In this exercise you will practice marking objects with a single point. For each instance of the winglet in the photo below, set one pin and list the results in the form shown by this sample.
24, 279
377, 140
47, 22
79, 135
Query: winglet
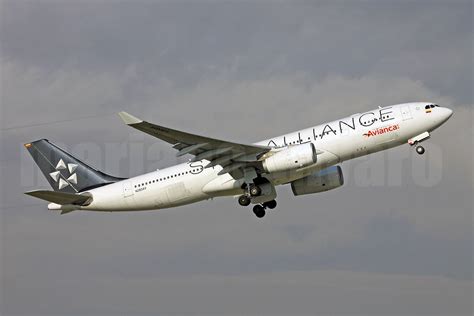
129, 119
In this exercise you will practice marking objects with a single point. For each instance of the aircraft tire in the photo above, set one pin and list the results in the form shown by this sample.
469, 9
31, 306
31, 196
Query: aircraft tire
244, 200
420, 150
255, 190
270, 204
259, 211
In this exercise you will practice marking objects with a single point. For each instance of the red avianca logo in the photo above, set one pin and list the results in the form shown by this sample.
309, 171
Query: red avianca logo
382, 130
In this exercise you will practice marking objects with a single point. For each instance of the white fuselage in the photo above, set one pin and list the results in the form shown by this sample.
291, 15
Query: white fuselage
337, 141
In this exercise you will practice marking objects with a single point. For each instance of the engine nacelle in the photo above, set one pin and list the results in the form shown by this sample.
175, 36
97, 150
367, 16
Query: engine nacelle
291, 158
324, 180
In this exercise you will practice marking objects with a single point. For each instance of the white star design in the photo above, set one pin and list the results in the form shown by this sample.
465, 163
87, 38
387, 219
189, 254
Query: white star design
56, 175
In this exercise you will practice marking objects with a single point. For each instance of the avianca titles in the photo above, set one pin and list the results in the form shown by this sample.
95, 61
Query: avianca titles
308, 160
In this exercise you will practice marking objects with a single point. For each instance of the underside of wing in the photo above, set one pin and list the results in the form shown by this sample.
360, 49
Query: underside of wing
230, 155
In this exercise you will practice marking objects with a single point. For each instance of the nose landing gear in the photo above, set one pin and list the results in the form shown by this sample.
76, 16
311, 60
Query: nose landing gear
415, 142
420, 150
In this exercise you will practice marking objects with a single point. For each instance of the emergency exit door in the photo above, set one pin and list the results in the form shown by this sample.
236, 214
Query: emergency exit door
406, 113
127, 189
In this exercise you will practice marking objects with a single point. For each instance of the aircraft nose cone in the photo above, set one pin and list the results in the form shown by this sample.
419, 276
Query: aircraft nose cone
448, 113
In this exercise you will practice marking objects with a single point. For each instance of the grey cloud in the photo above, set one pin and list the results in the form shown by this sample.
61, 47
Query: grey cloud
296, 292
191, 41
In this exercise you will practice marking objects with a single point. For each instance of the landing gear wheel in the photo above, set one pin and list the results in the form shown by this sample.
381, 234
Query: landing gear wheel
259, 211
420, 150
270, 204
244, 200
255, 190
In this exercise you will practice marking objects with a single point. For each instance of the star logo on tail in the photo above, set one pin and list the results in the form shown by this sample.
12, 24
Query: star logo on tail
58, 177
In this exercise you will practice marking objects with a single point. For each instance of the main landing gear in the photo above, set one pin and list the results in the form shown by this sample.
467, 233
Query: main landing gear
270, 204
244, 200
259, 210
253, 191
260, 192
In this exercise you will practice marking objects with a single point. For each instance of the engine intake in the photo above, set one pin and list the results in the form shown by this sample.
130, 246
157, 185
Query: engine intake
321, 181
291, 158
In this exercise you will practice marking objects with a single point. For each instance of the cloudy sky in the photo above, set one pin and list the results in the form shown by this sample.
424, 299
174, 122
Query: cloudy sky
397, 239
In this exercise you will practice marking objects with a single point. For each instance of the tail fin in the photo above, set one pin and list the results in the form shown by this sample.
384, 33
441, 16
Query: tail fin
64, 172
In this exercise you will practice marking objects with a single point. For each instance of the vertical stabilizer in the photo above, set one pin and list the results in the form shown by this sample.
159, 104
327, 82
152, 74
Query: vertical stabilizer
64, 172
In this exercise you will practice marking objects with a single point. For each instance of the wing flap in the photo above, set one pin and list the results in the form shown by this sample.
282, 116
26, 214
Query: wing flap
188, 149
224, 160
232, 167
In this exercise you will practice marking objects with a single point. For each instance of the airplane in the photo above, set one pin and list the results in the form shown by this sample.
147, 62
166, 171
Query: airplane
308, 160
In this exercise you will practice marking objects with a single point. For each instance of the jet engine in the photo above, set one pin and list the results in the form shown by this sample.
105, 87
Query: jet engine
324, 180
291, 158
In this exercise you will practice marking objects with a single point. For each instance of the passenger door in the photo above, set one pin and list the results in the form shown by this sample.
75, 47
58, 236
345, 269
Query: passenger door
127, 189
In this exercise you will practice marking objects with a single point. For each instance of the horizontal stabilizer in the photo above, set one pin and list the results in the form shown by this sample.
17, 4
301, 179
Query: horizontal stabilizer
61, 197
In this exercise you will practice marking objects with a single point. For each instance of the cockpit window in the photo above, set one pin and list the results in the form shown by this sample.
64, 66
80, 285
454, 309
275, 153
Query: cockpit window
427, 107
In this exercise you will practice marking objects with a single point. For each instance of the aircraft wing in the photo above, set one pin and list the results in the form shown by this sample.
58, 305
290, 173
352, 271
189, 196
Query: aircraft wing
229, 155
